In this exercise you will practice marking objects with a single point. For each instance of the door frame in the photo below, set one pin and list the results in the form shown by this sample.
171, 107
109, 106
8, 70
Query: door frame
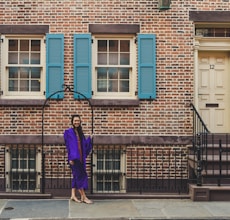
206, 44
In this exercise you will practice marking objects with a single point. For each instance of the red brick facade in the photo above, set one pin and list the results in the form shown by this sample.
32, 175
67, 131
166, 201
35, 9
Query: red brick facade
166, 120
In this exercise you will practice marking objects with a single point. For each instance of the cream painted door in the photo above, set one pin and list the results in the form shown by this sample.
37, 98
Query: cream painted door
213, 90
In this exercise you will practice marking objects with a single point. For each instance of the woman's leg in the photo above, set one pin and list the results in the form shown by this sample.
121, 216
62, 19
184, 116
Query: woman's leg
73, 195
84, 197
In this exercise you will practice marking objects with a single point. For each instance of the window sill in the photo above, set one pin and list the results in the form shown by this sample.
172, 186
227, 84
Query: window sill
22, 102
114, 102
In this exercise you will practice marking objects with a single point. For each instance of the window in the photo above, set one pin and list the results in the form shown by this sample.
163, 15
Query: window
109, 172
213, 32
23, 168
114, 71
105, 66
23, 68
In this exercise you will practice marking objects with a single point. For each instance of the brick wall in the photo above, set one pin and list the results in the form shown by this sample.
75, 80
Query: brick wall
168, 115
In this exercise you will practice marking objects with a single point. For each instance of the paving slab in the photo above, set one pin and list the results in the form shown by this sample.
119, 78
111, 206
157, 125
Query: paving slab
218, 209
26, 209
103, 209
113, 209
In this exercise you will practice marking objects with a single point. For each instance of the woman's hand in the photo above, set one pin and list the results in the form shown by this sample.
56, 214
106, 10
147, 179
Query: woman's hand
71, 162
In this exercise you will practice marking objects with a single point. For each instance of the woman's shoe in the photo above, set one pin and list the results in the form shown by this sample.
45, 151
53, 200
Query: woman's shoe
87, 201
75, 199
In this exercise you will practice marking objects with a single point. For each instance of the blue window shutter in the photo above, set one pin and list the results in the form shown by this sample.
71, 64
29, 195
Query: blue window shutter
54, 65
146, 66
82, 65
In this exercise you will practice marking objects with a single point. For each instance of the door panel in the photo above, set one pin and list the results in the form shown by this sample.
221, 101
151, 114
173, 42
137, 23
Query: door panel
213, 91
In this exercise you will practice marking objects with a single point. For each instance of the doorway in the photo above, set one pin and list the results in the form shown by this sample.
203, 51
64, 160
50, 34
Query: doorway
213, 90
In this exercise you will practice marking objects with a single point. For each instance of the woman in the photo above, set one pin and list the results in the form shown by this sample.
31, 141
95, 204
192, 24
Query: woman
78, 148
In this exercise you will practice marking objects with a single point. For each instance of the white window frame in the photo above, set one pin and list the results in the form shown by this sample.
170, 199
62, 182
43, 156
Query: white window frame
10, 170
5, 68
121, 172
132, 74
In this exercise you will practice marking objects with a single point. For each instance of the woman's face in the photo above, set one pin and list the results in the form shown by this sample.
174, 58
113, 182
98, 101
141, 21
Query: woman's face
76, 122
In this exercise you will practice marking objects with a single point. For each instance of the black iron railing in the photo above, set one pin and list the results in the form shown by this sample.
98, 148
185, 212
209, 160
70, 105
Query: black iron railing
199, 128
199, 143
116, 169
210, 154
218, 162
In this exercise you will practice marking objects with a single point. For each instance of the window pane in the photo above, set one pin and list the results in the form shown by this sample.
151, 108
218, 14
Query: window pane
13, 72
100, 177
108, 186
24, 73
102, 45
14, 153
24, 85
100, 154
108, 165
23, 185
116, 154
13, 58
13, 45
15, 175
113, 82
24, 58
102, 58
220, 32
23, 164
99, 186
102, 85
35, 58
14, 164
124, 73
124, 45
113, 73
35, 45
102, 80
36, 75
32, 164
113, 85
15, 185
113, 59
32, 176
113, 46
100, 165
108, 155
116, 165
35, 85
102, 73
108, 177
13, 79
13, 85
116, 186
32, 185
35, 79
124, 59
124, 83
24, 176
124, 86
24, 45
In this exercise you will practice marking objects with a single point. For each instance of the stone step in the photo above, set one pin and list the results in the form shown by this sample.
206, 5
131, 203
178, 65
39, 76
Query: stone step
209, 193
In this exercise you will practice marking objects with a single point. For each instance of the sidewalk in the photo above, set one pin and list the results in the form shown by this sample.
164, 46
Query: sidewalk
136, 209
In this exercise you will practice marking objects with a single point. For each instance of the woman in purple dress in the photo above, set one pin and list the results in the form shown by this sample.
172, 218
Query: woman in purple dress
78, 148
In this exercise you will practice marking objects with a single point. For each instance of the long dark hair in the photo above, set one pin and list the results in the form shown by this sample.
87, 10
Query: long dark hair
79, 128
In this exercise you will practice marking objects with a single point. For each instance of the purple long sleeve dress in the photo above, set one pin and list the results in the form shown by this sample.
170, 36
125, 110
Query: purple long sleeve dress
80, 178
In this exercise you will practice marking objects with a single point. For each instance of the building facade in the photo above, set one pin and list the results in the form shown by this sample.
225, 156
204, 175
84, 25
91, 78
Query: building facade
130, 68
